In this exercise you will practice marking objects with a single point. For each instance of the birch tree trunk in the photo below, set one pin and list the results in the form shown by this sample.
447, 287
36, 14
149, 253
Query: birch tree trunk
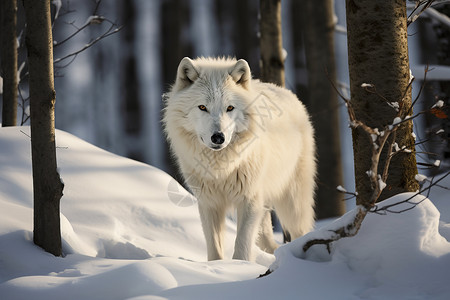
272, 62
378, 55
9, 61
318, 20
47, 184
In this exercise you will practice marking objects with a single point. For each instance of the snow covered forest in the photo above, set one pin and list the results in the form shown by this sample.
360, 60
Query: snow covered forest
120, 225
110, 94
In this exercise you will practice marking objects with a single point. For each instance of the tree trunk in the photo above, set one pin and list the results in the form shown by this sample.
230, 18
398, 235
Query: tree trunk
47, 184
318, 18
237, 25
9, 61
272, 61
130, 97
299, 57
378, 55
175, 17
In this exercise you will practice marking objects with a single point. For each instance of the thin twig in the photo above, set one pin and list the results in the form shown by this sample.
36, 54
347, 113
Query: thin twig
428, 188
90, 44
424, 4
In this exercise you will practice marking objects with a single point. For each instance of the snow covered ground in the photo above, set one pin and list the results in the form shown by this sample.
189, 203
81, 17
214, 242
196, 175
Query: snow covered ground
131, 232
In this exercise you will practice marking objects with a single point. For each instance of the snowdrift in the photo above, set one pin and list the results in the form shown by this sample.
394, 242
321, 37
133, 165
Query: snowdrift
131, 232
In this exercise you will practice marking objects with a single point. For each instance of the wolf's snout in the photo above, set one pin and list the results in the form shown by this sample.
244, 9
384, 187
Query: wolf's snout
218, 138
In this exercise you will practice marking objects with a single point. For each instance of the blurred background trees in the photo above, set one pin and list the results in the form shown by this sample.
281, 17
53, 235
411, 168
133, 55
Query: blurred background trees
110, 95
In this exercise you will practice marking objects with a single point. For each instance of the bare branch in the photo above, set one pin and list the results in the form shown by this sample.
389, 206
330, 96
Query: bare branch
112, 30
420, 7
387, 208
25, 114
438, 16
91, 20
347, 230
94, 19
97, 5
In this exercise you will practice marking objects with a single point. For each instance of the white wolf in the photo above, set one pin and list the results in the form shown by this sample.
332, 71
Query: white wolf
245, 144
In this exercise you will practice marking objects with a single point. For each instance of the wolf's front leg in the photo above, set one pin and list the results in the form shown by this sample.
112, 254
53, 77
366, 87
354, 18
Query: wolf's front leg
249, 215
213, 222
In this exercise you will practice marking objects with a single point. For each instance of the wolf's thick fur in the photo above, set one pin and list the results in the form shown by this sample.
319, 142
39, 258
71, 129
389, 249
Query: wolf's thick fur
245, 144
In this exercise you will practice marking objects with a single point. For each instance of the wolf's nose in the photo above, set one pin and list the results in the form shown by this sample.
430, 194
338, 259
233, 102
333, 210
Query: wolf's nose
218, 138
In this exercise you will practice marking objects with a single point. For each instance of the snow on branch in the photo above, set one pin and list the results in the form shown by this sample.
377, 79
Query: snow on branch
342, 190
346, 226
418, 9
424, 6
390, 208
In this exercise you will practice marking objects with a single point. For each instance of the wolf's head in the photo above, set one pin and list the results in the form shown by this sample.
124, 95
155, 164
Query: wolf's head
213, 93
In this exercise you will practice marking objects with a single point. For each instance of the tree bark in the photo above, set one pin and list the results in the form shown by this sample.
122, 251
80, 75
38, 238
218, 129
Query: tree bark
318, 18
9, 61
47, 184
378, 55
272, 61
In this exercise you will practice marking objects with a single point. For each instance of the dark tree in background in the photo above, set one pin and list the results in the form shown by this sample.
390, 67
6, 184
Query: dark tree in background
322, 103
271, 44
237, 25
47, 184
130, 96
378, 55
300, 84
175, 46
9, 61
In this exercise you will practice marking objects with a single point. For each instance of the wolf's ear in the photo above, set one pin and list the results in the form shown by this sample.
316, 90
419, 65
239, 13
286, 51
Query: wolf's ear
186, 74
240, 73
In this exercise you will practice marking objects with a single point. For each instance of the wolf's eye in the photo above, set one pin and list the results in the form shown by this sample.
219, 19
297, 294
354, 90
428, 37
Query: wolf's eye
202, 108
230, 108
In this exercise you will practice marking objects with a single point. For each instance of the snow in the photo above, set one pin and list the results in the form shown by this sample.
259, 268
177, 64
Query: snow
93, 20
57, 4
366, 85
439, 104
420, 177
381, 183
125, 237
341, 189
397, 120
394, 105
